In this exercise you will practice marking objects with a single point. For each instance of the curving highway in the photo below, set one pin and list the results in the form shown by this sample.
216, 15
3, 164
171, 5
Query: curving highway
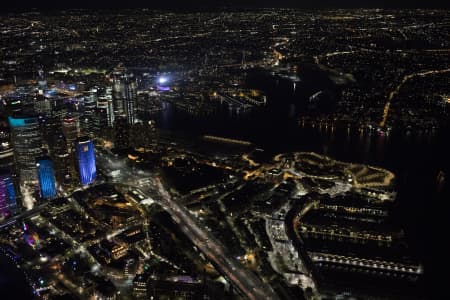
247, 282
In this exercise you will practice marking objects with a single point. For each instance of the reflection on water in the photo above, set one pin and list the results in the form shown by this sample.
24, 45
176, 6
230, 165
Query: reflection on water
415, 157
13, 284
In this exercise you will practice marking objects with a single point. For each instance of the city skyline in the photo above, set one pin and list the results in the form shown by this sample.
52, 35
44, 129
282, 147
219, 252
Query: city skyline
193, 5
238, 153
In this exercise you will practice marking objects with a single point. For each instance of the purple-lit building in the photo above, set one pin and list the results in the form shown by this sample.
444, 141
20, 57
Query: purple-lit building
8, 204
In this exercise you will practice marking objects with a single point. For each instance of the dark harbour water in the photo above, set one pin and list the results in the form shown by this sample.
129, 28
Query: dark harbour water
415, 157
13, 284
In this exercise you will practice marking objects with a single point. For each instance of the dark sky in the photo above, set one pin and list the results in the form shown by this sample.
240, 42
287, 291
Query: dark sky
9, 5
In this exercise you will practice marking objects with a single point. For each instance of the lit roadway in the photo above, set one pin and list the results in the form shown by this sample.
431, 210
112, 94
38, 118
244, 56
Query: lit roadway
400, 85
243, 279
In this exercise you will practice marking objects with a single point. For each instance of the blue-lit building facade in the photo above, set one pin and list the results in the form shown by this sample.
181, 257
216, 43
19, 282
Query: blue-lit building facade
46, 174
8, 201
86, 161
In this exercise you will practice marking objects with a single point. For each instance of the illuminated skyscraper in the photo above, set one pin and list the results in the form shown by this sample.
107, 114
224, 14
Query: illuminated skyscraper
104, 116
59, 108
61, 158
86, 160
124, 95
117, 93
121, 133
49, 126
58, 149
8, 205
87, 119
105, 106
92, 97
27, 142
101, 128
71, 130
130, 99
46, 177
43, 106
6, 148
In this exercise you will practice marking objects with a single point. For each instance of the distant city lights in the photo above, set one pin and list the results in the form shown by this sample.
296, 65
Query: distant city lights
170, 155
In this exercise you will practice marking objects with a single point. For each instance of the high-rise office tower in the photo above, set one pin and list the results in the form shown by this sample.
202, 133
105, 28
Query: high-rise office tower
117, 95
121, 133
59, 153
101, 122
6, 148
124, 95
87, 124
86, 160
107, 106
47, 184
27, 143
71, 130
59, 108
8, 182
92, 96
130, 99
49, 127
8, 204
108, 97
43, 106
87, 119
61, 159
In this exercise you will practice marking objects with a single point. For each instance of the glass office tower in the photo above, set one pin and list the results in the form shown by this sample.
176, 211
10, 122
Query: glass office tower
27, 142
46, 176
86, 160
8, 204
